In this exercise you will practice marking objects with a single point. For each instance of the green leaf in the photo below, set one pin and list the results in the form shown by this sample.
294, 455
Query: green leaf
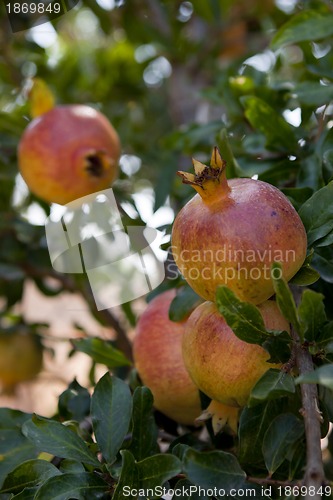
156, 470
144, 431
12, 419
273, 384
26, 494
52, 437
215, 469
129, 478
29, 474
322, 376
311, 312
284, 297
307, 25
68, 465
323, 262
74, 402
243, 318
253, 424
317, 214
313, 93
111, 407
184, 489
280, 136
305, 276
14, 447
183, 304
233, 168
326, 335
101, 351
281, 435
80, 486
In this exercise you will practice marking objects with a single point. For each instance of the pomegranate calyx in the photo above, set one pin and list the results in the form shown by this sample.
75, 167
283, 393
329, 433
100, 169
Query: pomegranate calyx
96, 162
207, 180
221, 415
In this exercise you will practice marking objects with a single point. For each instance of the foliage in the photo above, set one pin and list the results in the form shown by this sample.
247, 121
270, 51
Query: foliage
175, 79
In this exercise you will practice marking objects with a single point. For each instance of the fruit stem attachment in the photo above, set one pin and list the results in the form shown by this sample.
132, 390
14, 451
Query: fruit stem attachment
208, 180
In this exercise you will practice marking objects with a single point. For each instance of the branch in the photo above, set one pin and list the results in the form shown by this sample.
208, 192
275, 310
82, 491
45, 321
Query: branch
69, 284
314, 471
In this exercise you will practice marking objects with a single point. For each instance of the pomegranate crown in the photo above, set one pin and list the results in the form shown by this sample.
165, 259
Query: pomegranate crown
206, 179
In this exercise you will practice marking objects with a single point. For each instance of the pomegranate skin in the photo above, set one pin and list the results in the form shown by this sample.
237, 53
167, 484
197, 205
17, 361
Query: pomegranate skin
157, 351
68, 152
231, 232
219, 363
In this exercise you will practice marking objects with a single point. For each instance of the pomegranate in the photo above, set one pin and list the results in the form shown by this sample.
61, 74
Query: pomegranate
157, 350
219, 363
231, 232
21, 358
68, 152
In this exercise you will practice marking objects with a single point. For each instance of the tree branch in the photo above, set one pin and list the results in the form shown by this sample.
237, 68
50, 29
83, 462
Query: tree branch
314, 471
69, 284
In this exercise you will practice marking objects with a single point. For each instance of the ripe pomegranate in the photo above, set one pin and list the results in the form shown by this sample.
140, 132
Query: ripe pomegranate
232, 231
157, 350
219, 363
21, 358
68, 152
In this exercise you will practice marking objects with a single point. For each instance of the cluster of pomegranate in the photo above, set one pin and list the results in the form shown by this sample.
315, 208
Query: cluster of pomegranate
229, 233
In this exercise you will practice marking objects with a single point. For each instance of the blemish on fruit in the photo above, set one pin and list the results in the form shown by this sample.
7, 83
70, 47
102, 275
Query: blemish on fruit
273, 213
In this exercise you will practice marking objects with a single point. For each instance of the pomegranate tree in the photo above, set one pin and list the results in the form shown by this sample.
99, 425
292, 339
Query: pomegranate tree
157, 350
231, 232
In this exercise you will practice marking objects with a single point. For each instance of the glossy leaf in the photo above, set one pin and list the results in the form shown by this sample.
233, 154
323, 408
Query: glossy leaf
322, 375
184, 489
129, 478
215, 469
243, 318
111, 407
279, 134
281, 435
183, 304
101, 351
313, 93
307, 25
311, 312
76, 485
14, 447
317, 214
284, 297
305, 276
29, 474
74, 402
55, 438
156, 470
273, 384
144, 430
252, 427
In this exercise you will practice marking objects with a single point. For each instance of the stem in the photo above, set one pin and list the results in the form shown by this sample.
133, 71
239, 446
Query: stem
314, 471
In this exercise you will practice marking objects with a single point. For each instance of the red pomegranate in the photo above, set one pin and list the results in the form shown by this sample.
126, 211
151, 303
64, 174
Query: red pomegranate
157, 350
232, 231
